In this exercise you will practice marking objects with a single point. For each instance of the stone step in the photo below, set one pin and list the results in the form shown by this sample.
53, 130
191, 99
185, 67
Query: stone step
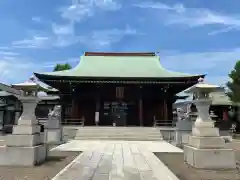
111, 134
120, 138
117, 128
106, 130
2, 143
118, 133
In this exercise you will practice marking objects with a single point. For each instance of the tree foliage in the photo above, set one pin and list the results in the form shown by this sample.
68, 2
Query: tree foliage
234, 84
62, 67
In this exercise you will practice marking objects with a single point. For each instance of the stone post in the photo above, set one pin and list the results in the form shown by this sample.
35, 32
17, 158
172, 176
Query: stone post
206, 149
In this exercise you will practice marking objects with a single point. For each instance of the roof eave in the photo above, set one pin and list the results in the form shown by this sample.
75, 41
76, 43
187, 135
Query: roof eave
42, 76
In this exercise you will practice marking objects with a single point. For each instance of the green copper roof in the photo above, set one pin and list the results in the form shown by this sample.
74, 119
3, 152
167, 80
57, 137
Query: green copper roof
118, 66
220, 98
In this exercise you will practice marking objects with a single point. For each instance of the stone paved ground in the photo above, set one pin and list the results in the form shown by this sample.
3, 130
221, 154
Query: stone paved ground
117, 161
56, 162
175, 163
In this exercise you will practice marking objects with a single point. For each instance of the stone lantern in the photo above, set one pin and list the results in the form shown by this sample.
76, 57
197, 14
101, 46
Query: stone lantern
206, 149
25, 146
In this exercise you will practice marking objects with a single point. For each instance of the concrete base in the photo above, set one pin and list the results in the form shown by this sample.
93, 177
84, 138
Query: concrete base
183, 130
206, 142
22, 156
26, 129
53, 124
54, 136
205, 132
21, 140
209, 158
182, 137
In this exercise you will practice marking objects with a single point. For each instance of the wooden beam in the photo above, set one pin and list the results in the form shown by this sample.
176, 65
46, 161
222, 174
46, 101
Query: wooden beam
188, 84
140, 106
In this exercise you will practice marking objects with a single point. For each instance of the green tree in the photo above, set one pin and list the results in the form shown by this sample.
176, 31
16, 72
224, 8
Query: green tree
234, 83
62, 67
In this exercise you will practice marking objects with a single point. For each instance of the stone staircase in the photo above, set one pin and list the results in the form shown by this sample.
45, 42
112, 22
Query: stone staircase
119, 133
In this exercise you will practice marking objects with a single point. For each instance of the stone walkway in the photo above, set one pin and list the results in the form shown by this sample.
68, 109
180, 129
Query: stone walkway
85, 145
116, 161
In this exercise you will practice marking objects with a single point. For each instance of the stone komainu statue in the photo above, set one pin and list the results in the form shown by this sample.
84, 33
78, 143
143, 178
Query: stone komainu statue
180, 114
55, 114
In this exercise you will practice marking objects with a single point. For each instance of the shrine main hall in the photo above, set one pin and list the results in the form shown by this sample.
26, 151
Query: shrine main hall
124, 89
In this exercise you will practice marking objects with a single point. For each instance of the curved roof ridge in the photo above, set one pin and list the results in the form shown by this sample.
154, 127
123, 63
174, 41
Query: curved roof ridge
119, 54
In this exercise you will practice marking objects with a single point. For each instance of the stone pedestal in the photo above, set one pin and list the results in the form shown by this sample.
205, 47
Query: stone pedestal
183, 130
53, 132
206, 149
53, 127
25, 146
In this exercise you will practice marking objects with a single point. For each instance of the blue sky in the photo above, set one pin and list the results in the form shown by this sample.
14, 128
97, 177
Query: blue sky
192, 36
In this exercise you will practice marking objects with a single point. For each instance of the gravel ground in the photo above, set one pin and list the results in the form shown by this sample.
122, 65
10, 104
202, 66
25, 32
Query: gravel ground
175, 163
55, 163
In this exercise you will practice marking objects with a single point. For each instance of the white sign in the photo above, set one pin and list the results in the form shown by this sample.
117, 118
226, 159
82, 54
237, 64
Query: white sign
97, 117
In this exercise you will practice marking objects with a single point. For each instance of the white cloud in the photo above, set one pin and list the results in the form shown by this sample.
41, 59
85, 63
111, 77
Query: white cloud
12, 65
41, 42
105, 38
66, 29
76, 12
193, 17
216, 64
36, 19
64, 36
80, 9
8, 53
35, 42
107, 4
16, 69
10, 69
4, 48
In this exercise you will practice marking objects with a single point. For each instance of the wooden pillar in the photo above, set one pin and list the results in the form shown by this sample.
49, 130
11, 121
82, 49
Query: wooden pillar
98, 99
165, 110
170, 110
73, 108
62, 110
97, 113
165, 106
140, 106
63, 113
72, 90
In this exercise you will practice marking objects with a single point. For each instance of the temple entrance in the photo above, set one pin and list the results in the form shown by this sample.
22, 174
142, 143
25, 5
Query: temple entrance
116, 113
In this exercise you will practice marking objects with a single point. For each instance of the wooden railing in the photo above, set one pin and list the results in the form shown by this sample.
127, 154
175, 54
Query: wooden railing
42, 120
73, 121
167, 123
67, 121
